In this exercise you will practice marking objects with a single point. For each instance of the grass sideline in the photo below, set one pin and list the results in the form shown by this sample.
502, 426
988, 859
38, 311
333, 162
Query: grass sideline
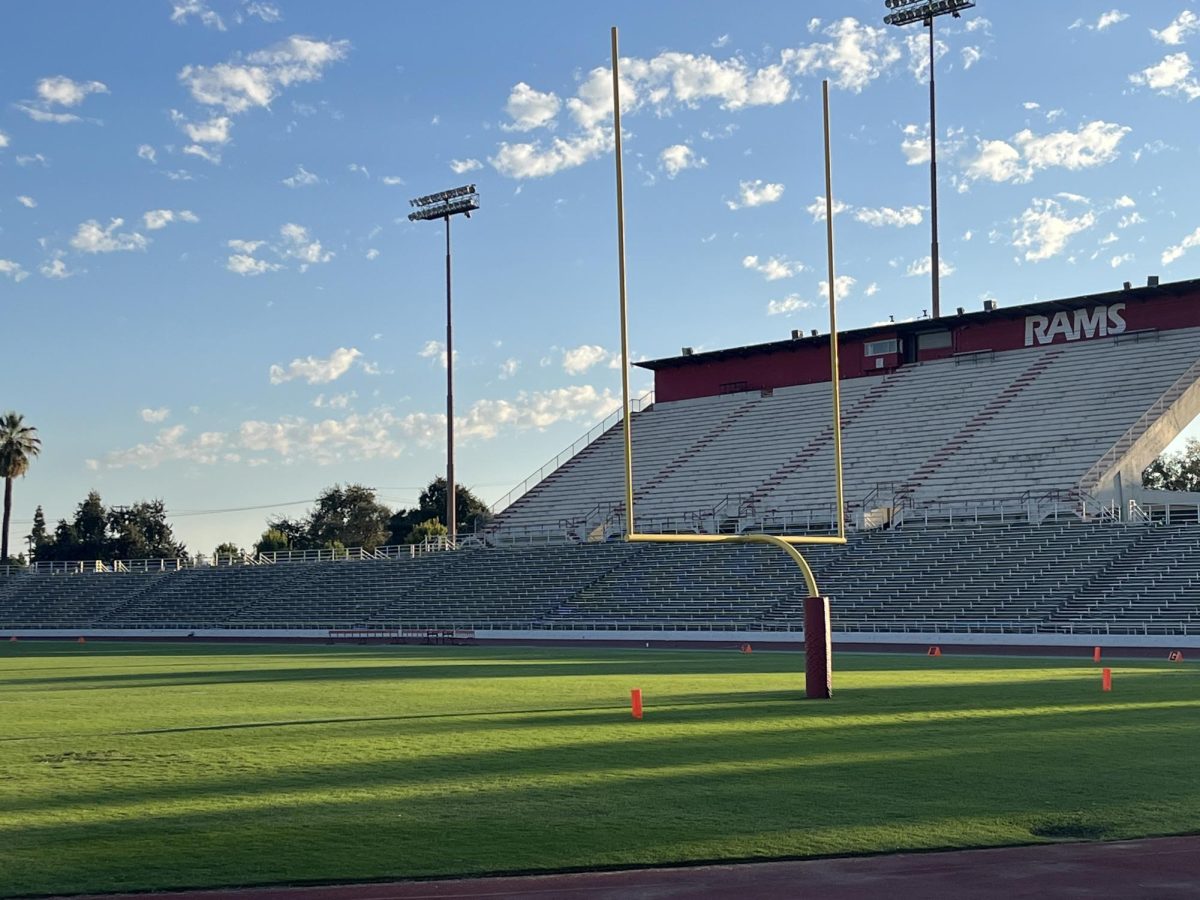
157, 766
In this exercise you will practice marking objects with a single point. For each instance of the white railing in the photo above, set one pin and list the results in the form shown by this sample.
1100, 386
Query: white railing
1138, 428
437, 544
636, 405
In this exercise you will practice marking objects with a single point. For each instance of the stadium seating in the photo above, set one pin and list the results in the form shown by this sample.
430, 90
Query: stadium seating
981, 425
1003, 578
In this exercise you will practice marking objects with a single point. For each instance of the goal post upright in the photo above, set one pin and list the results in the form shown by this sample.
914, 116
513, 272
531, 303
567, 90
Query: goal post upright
817, 646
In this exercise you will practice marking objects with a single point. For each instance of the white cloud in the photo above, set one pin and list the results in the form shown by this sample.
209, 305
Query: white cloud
237, 87
1044, 229
1171, 76
55, 268
334, 401
755, 193
392, 180
435, 350
299, 244
579, 359
214, 130
1117, 261
301, 178
462, 166
1124, 202
155, 415
1094, 144
885, 215
360, 169
677, 157
3, 140
872, 289
34, 159
1184, 24
91, 237
509, 368
856, 55
1133, 218
212, 156
245, 264
148, 153
182, 10
26, 201
372, 254
817, 209
721, 41
1174, 252
315, 370
915, 146
268, 12
532, 160
789, 304
160, 218
42, 115
774, 268
12, 270
924, 266
1029, 104
530, 109
62, 91
1106, 21
842, 287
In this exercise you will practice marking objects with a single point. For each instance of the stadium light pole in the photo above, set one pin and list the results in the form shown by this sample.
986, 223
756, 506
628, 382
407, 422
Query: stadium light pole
443, 205
925, 11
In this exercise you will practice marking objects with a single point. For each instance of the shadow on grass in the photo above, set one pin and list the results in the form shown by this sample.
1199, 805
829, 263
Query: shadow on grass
751, 729
641, 815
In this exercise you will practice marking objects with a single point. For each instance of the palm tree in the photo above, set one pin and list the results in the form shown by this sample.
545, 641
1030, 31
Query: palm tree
19, 444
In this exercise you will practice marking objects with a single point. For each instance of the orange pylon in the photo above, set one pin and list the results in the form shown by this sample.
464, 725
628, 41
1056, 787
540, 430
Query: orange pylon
934, 651
1175, 656
1106, 679
635, 698
81, 641
1095, 654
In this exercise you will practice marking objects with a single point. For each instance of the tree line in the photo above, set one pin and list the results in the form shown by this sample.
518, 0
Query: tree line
349, 516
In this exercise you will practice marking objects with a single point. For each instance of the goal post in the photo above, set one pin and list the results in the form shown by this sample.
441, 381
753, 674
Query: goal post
817, 645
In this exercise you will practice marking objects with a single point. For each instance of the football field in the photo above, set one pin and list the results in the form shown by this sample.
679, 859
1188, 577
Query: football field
141, 766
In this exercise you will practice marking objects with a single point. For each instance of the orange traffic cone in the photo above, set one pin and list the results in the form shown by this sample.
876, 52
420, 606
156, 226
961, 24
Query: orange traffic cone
1106, 680
1175, 656
81, 641
934, 651
635, 698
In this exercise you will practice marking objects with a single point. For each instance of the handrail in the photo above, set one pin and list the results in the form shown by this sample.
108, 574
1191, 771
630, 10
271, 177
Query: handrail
641, 403
1159, 406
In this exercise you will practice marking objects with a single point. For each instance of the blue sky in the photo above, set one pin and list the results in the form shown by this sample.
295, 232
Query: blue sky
211, 293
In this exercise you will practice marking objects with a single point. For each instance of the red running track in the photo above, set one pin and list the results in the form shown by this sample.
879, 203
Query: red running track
1125, 870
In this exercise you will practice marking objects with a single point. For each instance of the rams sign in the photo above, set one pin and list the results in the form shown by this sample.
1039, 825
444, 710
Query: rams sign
1074, 325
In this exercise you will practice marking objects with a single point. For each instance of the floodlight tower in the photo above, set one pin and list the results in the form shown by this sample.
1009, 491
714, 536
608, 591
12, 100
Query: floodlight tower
443, 205
925, 11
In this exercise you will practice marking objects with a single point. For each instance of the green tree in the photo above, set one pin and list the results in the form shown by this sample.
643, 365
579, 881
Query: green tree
473, 513
422, 531
19, 444
227, 549
272, 541
37, 535
350, 516
141, 531
294, 532
1175, 471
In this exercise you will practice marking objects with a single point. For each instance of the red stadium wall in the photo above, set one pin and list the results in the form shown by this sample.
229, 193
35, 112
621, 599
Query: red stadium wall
806, 360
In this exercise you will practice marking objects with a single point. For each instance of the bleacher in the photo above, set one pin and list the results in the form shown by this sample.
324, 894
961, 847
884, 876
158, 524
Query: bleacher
988, 424
1068, 577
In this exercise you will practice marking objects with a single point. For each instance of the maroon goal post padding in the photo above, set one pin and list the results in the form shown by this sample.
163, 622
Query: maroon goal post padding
818, 651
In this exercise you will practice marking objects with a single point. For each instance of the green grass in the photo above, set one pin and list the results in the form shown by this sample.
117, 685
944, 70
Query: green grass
162, 766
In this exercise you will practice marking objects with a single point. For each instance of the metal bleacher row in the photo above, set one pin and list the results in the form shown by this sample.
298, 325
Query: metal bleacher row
1001, 578
985, 424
